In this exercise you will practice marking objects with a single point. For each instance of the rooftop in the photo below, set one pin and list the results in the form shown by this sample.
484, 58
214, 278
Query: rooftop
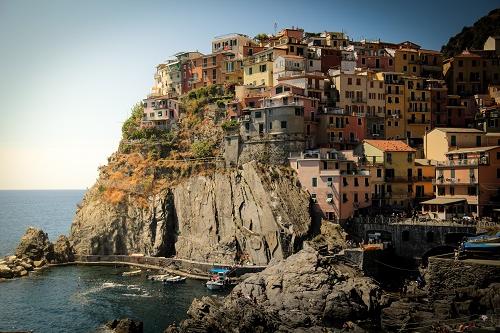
457, 130
424, 162
472, 150
390, 145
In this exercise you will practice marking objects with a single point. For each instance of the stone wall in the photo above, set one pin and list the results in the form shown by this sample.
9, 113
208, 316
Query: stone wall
272, 151
445, 274
188, 266
414, 240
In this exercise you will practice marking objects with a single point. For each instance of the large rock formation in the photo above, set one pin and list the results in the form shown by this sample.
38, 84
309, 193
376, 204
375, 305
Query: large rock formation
304, 292
252, 214
35, 245
35, 251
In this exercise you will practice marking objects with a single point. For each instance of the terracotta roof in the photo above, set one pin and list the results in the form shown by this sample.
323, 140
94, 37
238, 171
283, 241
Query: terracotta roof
390, 145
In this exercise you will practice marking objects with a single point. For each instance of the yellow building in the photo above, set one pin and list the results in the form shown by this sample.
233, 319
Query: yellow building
424, 172
258, 68
395, 163
441, 140
395, 124
418, 109
412, 60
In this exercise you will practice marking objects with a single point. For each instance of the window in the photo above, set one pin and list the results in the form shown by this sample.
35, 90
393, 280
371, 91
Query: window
405, 235
478, 141
344, 181
358, 82
379, 173
498, 173
441, 190
389, 188
263, 68
453, 140
359, 121
367, 198
258, 114
355, 197
270, 125
160, 113
247, 127
452, 173
471, 190
250, 70
344, 197
356, 183
349, 80
313, 197
410, 188
389, 157
404, 56
366, 182
314, 182
283, 124
452, 190
298, 111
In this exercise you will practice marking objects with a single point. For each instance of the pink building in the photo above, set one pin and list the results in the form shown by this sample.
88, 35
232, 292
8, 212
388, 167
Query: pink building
337, 188
160, 112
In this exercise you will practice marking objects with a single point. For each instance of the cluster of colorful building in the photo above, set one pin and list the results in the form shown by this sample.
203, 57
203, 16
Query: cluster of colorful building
374, 124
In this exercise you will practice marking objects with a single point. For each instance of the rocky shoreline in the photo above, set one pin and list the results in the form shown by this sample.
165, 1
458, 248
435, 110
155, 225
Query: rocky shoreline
35, 252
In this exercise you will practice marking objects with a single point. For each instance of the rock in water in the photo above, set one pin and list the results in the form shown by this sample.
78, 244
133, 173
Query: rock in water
304, 292
252, 214
125, 326
35, 245
63, 251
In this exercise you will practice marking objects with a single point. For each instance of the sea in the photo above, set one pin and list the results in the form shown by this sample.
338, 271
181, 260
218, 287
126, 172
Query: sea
77, 298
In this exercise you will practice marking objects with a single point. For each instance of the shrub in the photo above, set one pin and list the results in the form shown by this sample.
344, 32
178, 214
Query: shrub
202, 148
230, 125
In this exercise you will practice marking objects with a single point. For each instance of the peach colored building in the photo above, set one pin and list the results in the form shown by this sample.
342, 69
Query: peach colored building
467, 183
337, 187
160, 112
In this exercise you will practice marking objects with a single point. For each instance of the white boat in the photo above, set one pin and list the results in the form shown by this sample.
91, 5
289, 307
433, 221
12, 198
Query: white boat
219, 279
159, 277
175, 279
132, 273
215, 285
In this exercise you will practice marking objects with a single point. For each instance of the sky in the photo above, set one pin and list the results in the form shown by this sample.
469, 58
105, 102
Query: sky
71, 70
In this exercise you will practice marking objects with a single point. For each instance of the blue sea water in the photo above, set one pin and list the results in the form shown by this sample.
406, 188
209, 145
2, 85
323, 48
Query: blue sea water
77, 298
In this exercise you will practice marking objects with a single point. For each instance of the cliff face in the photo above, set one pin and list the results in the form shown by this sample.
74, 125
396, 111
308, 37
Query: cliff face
251, 215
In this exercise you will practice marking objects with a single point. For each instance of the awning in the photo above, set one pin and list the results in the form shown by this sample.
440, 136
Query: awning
443, 201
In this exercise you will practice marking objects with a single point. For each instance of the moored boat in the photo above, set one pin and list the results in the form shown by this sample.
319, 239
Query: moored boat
219, 279
132, 273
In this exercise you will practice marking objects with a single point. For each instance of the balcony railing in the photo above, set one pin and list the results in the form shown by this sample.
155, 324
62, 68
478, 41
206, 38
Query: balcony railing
455, 181
399, 179
464, 162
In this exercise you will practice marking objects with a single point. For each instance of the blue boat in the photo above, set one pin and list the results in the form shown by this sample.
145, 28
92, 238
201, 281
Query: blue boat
219, 279
482, 246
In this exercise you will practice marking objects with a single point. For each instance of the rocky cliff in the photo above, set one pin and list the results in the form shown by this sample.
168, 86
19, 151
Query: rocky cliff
251, 214
304, 293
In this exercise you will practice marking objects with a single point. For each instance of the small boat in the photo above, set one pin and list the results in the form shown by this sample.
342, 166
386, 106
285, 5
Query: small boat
215, 285
132, 273
175, 279
159, 277
219, 279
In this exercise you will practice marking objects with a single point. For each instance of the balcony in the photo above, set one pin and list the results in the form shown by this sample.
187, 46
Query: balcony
465, 162
336, 111
329, 172
419, 121
455, 181
408, 179
418, 99
278, 102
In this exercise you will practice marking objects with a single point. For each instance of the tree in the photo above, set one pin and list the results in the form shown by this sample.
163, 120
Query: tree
261, 37
202, 148
133, 123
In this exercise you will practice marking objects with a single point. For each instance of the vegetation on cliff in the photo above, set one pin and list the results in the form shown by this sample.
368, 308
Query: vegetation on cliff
150, 160
475, 36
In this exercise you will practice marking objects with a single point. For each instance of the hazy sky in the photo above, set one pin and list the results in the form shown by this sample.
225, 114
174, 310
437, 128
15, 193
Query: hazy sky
71, 70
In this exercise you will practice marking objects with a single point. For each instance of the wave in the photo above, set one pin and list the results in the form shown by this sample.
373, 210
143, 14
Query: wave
137, 295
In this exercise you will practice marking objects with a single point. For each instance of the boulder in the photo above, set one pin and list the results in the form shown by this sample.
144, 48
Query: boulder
5, 272
35, 245
63, 251
125, 326
39, 263
27, 266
